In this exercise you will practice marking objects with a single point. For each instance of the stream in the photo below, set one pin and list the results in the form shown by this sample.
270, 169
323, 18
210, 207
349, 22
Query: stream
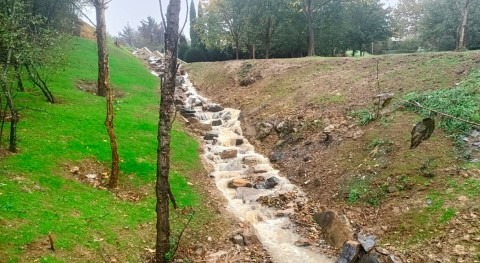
232, 157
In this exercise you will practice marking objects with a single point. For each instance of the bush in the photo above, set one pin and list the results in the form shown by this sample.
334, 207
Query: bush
194, 54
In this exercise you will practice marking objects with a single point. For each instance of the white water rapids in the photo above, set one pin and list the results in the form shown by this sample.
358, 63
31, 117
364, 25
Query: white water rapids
276, 233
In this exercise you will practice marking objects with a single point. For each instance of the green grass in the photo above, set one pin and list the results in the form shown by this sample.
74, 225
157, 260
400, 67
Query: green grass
35, 196
462, 101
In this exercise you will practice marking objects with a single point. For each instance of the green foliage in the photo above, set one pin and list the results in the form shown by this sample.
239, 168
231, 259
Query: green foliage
364, 116
194, 54
37, 198
462, 101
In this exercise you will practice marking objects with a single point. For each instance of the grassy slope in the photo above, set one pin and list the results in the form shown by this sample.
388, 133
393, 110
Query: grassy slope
35, 196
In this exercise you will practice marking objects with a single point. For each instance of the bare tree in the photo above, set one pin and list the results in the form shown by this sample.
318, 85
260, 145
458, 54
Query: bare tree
166, 117
104, 88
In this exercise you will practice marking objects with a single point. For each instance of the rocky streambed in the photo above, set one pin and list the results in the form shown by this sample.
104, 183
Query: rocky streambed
246, 178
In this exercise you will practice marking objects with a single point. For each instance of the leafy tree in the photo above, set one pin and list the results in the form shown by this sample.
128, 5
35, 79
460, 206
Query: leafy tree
226, 23
368, 22
151, 34
127, 35
195, 40
449, 25
406, 18
265, 18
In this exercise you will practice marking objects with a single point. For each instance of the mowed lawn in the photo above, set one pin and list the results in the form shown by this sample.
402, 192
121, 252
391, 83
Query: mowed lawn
37, 194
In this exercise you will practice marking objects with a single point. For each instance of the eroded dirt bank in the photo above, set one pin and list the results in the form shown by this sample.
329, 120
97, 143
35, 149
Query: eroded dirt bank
422, 204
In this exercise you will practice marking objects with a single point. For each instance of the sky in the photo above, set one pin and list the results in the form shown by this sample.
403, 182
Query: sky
122, 12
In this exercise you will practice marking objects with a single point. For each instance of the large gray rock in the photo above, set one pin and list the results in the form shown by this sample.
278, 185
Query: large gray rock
336, 228
350, 252
263, 129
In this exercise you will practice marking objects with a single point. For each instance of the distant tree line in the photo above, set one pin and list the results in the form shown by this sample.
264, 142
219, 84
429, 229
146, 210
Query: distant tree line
149, 34
240, 29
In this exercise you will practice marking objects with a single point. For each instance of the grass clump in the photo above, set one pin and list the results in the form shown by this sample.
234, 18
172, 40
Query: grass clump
462, 101
364, 116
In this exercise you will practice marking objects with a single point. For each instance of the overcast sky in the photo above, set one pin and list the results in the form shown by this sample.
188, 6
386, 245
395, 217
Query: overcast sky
121, 12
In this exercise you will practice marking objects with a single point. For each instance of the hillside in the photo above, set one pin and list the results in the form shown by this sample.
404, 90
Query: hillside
53, 186
422, 204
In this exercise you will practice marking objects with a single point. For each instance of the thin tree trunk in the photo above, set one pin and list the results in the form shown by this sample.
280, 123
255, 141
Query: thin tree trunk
253, 51
311, 39
461, 41
100, 7
103, 84
237, 47
11, 105
18, 76
166, 115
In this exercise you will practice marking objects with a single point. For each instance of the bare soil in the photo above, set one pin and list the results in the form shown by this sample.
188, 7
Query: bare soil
410, 199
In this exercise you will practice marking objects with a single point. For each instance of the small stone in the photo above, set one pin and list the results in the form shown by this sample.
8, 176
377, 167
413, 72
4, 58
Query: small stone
462, 198
91, 176
324, 219
393, 259
238, 142
238, 239
368, 242
211, 135
329, 129
75, 170
239, 182
213, 108
229, 154
275, 157
260, 169
392, 189
216, 122
250, 160
263, 129
302, 243
382, 251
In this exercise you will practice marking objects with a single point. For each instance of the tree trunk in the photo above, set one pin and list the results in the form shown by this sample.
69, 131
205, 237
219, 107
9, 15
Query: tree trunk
253, 51
311, 39
237, 47
11, 105
100, 7
167, 111
461, 40
103, 85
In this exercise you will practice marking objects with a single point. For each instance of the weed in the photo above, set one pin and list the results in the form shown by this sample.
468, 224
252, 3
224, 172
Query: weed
354, 195
364, 116
378, 142
447, 215
427, 168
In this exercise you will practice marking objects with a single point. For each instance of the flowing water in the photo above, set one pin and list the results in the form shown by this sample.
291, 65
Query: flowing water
276, 233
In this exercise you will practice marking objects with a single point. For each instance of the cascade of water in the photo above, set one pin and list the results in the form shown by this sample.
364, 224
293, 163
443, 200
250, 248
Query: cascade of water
233, 157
